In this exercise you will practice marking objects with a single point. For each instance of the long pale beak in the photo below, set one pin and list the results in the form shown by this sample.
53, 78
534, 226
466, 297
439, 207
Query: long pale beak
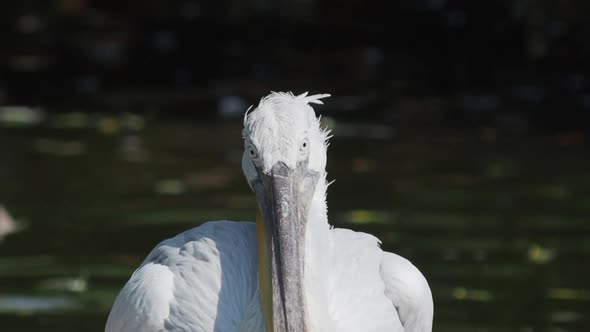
284, 196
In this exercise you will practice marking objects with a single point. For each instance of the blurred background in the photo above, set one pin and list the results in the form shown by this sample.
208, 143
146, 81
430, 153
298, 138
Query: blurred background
460, 139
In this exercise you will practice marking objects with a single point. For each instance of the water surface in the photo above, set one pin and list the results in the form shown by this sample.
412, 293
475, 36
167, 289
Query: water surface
499, 225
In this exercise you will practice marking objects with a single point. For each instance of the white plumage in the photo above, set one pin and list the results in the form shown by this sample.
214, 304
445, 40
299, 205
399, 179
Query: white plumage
207, 278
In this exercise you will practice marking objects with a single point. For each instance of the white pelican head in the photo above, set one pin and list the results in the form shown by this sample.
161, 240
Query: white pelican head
284, 158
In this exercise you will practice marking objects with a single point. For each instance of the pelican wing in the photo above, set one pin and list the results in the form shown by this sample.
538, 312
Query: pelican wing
347, 292
408, 290
204, 279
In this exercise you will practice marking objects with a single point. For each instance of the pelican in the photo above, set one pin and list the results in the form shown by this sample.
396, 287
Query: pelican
290, 271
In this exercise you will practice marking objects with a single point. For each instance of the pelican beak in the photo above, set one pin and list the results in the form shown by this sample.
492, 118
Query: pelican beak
284, 196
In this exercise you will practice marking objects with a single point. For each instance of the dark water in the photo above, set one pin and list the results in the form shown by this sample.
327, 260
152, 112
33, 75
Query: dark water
499, 225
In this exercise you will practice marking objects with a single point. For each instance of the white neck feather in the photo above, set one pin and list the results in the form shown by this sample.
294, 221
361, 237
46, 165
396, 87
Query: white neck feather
318, 210
317, 246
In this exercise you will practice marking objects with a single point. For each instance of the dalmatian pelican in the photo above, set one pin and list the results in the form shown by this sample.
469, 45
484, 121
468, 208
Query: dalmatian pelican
290, 271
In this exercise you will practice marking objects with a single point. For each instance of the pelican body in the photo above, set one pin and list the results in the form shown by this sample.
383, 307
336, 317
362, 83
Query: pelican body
290, 271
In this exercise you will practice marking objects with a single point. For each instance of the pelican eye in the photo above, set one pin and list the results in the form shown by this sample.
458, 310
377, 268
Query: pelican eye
304, 146
252, 152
